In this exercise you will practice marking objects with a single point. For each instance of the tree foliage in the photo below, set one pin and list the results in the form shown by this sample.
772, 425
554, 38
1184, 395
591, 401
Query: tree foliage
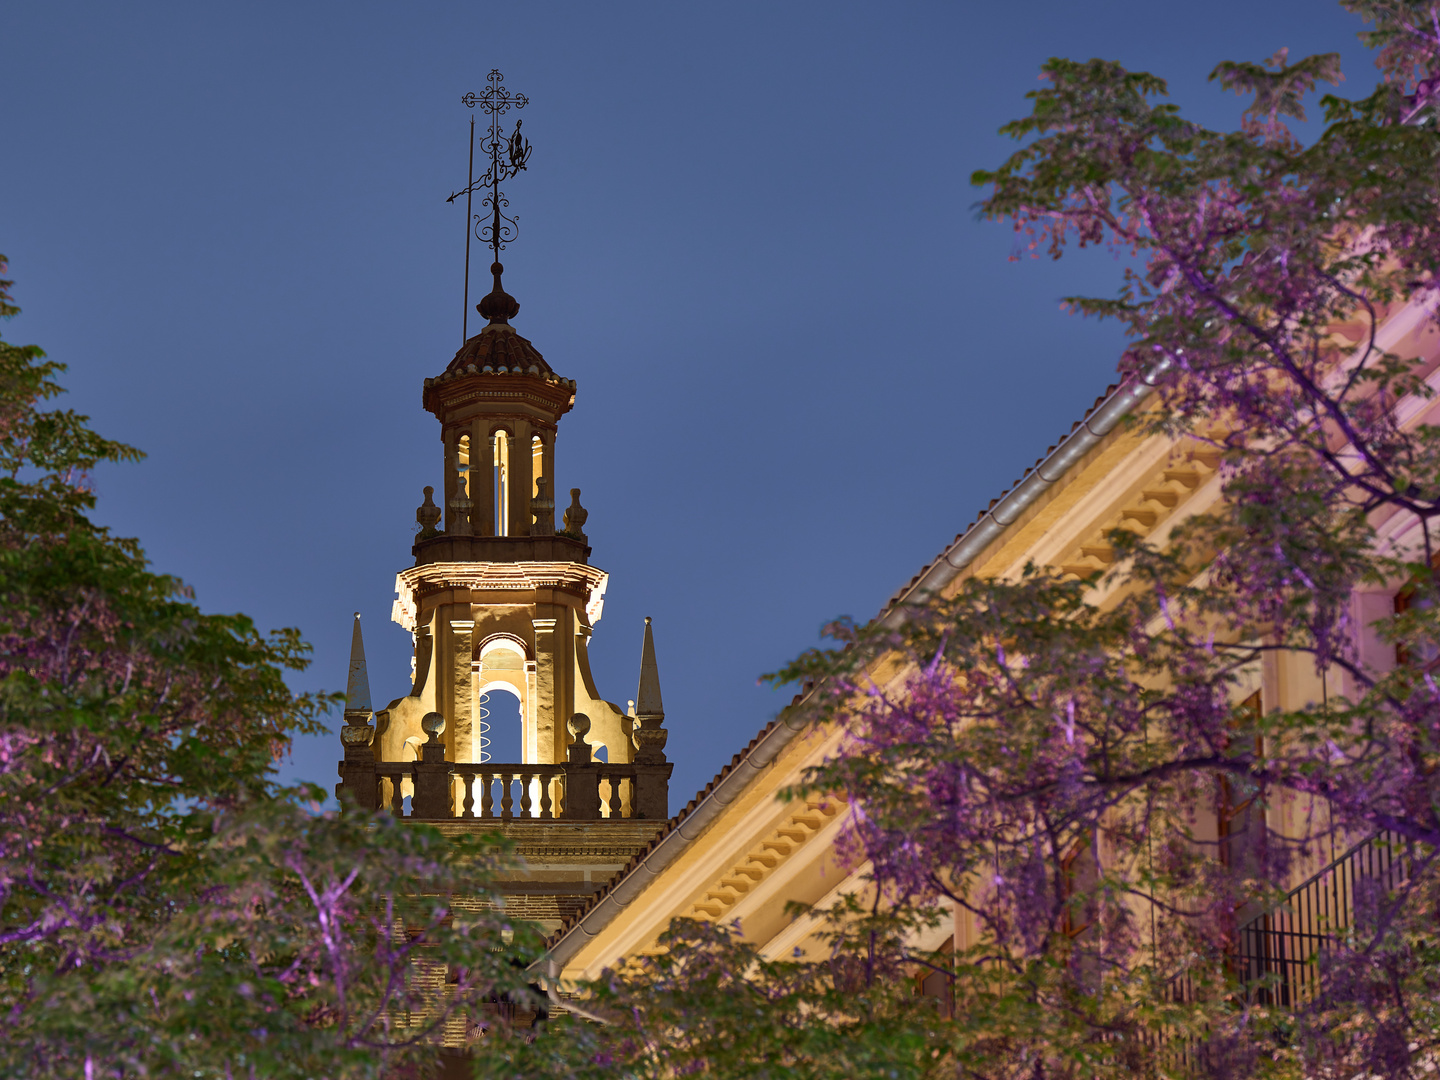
709, 1004
165, 908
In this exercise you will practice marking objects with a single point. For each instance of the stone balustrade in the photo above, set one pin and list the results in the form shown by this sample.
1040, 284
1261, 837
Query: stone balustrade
441, 791
580, 789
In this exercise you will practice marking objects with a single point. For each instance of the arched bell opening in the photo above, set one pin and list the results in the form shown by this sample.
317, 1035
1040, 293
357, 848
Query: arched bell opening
464, 485
501, 483
542, 485
502, 722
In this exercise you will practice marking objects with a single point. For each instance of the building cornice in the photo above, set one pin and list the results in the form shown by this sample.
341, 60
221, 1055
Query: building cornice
586, 581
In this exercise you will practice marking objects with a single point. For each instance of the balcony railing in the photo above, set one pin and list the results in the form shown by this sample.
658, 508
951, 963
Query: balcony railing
433, 789
500, 792
1279, 953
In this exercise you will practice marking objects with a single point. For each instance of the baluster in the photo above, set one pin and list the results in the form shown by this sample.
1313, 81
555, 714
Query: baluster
507, 795
545, 782
525, 781
468, 779
614, 796
487, 794
397, 805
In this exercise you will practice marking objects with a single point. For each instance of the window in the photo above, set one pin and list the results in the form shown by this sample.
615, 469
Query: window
1079, 878
1427, 657
1241, 810
938, 986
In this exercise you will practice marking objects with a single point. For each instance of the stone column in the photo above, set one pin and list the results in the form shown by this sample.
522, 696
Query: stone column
482, 482
420, 662
462, 693
522, 480
547, 470
451, 440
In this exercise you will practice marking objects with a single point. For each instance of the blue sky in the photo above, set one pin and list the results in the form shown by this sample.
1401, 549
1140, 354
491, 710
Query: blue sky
746, 231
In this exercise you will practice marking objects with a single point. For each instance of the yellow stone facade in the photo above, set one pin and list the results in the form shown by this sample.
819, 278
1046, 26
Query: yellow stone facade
741, 851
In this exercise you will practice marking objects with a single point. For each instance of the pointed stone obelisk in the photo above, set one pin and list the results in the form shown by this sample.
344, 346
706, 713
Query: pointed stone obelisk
357, 690
650, 736
652, 771
357, 771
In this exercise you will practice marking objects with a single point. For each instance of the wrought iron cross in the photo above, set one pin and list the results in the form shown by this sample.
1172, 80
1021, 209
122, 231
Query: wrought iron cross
508, 155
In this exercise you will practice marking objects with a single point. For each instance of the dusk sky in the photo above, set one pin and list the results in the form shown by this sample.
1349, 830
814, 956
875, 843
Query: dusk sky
747, 231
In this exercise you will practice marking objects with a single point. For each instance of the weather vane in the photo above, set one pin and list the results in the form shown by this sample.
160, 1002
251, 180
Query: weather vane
508, 155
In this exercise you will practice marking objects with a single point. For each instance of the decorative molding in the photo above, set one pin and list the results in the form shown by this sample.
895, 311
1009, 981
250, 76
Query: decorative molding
482, 648
762, 860
1160, 495
586, 581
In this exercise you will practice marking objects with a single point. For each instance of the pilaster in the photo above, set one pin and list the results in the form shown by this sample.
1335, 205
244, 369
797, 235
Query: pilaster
547, 702
547, 470
462, 694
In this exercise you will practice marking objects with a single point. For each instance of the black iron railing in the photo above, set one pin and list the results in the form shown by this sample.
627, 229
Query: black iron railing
1279, 953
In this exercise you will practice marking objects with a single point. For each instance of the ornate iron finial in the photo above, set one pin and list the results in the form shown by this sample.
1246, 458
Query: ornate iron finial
508, 155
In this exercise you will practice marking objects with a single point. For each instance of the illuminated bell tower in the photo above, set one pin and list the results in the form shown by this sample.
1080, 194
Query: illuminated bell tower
498, 599
500, 602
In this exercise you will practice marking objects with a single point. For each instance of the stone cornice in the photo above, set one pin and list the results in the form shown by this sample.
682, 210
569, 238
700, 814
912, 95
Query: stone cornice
550, 395
586, 581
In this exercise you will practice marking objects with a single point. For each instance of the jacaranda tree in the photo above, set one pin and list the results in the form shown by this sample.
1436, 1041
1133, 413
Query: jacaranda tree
165, 908
1039, 761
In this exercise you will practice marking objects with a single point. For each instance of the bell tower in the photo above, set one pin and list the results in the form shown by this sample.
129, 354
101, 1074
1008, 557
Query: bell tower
501, 601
